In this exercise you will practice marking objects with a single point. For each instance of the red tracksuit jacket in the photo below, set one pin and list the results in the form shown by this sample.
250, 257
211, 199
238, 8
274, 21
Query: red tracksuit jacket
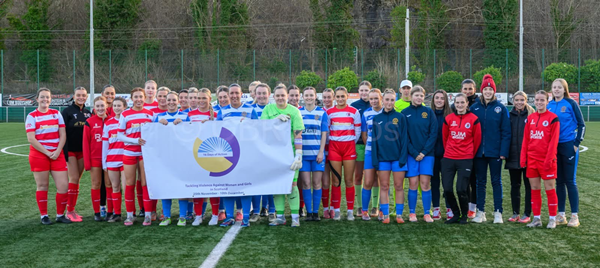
461, 136
540, 139
92, 140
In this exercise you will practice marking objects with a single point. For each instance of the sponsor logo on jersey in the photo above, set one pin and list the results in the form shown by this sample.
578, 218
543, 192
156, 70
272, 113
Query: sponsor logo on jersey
75, 115
96, 126
28, 125
545, 123
48, 126
468, 125
550, 176
458, 135
424, 114
454, 124
379, 123
497, 110
98, 137
395, 121
532, 122
409, 115
536, 135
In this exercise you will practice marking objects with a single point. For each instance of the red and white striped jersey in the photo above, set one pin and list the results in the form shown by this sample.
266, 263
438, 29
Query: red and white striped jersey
156, 110
131, 123
114, 153
151, 106
197, 115
45, 125
344, 124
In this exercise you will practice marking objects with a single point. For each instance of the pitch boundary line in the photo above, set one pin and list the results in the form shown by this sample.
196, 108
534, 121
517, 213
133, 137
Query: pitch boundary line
4, 150
215, 255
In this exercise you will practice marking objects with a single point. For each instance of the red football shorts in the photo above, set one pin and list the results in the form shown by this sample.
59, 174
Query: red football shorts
78, 155
341, 151
536, 169
40, 162
132, 160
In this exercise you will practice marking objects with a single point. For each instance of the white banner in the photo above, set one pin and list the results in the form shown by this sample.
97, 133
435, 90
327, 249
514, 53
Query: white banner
218, 159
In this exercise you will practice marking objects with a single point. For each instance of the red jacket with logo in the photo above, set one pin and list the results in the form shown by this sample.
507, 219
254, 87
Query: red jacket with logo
92, 140
540, 139
461, 135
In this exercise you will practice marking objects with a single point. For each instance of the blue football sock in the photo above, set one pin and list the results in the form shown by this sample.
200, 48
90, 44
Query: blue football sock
307, 194
426, 198
229, 205
183, 206
238, 202
246, 203
256, 204
204, 203
190, 207
265, 201
316, 199
412, 200
399, 209
385, 209
271, 204
221, 204
366, 199
166, 203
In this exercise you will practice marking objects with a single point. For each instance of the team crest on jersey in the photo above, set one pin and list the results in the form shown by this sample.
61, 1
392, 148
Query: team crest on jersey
217, 155
468, 125
395, 121
317, 117
545, 123
424, 115
563, 109
497, 110
454, 124
87, 115
244, 114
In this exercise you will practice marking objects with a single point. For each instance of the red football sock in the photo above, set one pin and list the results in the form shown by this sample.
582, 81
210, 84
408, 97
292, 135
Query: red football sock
42, 200
116, 199
96, 200
154, 203
147, 200
140, 194
109, 202
61, 203
130, 198
73, 192
536, 202
552, 202
198, 206
336, 196
325, 199
350, 197
301, 199
214, 205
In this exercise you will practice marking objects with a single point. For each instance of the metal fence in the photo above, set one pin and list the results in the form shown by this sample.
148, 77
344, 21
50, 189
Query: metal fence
60, 70
19, 114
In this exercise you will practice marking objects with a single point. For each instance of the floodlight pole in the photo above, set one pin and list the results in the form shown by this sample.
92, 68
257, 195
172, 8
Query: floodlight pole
521, 45
91, 50
407, 50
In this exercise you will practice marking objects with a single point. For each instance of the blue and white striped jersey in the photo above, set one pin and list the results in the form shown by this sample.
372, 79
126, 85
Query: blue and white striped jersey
367, 125
315, 122
229, 113
217, 108
170, 117
258, 109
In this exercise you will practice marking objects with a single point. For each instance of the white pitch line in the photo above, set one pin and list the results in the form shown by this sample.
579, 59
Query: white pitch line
215, 255
4, 150
583, 148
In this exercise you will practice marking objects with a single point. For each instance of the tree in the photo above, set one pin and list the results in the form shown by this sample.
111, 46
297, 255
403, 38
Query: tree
499, 33
115, 20
35, 35
563, 24
333, 24
221, 24
4, 6
398, 34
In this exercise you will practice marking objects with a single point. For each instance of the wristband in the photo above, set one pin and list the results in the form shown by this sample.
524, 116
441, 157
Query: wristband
297, 141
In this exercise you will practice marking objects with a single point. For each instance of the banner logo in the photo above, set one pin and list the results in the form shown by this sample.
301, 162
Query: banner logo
218, 155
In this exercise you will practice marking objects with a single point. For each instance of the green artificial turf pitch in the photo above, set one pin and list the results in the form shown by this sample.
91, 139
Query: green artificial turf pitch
27, 243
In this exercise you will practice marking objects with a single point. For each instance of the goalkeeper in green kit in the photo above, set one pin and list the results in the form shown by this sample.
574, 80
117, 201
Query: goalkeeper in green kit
284, 112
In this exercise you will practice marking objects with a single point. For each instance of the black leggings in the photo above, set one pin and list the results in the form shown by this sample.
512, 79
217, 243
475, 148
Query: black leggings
462, 170
516, 175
